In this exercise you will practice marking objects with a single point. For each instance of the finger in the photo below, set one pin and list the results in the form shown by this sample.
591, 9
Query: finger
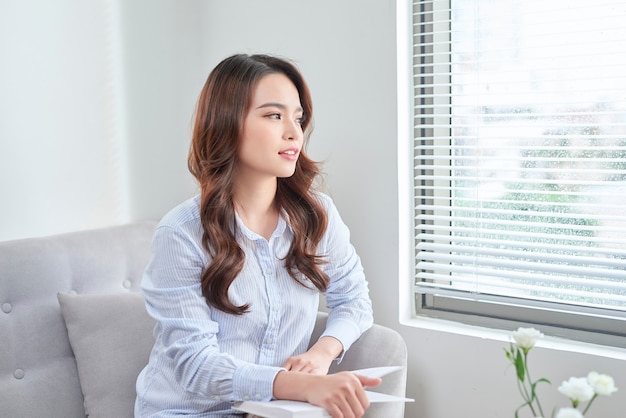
299, 366
307, 369
369, 382
334, 411
350, 400
287, 365
358, 402
317, 371
363, 400
345, 408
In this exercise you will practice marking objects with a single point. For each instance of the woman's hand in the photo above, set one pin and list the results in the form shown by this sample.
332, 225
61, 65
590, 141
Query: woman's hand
342, 395
308, 363
318, 359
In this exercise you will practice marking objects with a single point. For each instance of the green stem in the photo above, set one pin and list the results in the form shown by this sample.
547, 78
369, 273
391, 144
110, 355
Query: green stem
525, 395
589, 404
530, 382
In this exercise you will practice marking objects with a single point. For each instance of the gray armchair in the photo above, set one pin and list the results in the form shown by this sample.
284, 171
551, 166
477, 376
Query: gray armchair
74, 332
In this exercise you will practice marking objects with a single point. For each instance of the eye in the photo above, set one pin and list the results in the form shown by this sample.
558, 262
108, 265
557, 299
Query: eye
300, 120
276, 116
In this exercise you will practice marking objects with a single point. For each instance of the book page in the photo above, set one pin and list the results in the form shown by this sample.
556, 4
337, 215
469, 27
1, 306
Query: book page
296, 409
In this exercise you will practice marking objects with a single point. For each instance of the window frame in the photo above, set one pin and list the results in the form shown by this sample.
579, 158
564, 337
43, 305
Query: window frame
576, 323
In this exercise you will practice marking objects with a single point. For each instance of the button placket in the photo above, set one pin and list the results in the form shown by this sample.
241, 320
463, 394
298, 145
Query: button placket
267, 266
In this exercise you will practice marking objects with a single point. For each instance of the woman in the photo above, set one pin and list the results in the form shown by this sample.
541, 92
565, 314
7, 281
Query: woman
235, 274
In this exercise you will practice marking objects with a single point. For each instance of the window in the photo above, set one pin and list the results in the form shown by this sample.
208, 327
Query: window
520, 164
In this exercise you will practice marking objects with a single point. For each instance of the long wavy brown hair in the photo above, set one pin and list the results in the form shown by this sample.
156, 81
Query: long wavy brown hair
222, 106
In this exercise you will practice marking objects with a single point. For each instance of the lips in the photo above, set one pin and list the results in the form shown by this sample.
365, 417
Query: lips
291, 153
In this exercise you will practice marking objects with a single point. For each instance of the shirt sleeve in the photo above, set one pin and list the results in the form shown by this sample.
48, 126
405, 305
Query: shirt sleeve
347, 295
185, 332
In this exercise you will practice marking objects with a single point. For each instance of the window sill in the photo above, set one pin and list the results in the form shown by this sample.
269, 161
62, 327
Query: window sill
553, 343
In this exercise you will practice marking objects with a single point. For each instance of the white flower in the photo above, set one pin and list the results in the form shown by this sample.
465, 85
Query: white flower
525, 338
569, 413
577, 389
602, 384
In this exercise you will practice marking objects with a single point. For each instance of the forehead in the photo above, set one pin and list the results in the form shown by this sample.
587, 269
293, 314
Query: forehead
275, 88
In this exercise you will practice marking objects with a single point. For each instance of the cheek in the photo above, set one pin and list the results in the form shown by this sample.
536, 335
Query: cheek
249, 140
253, 149
247, 151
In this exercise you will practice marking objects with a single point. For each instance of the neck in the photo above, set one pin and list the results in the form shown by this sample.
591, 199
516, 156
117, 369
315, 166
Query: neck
255, 204
255, 196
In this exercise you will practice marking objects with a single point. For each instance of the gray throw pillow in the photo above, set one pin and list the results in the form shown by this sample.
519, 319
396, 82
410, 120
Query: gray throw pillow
111, 336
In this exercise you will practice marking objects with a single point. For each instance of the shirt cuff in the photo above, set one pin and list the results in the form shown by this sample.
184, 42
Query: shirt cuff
346, 331
252, 382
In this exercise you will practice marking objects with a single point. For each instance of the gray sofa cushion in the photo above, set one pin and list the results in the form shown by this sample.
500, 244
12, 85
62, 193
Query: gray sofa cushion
111, 336
38, 374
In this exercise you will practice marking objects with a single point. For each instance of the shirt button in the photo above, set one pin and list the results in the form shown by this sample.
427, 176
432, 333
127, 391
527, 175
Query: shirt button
268, 271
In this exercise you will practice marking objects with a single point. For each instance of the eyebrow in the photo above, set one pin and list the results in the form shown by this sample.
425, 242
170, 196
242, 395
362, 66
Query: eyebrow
279, 106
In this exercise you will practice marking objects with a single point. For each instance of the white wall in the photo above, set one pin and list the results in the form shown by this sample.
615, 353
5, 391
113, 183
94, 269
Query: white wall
95, 108
347, 51
162, 55
57, 119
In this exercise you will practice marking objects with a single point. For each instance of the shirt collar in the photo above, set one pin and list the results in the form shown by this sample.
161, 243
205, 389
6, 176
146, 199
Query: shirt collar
253, 236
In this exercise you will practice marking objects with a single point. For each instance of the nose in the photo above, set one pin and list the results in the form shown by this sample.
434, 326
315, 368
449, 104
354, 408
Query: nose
292, 130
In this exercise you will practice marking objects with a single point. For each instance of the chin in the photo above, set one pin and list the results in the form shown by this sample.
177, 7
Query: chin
286, 175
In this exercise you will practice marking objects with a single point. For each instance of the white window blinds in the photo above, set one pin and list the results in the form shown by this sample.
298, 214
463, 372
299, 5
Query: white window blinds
520, 157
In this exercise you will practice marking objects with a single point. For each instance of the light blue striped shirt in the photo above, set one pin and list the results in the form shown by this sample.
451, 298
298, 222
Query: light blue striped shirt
204, 359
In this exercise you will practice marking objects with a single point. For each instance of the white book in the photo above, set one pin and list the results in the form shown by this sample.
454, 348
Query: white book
296, 409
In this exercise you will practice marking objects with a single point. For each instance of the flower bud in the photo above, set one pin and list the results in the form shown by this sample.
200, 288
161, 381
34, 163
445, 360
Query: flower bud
525, 338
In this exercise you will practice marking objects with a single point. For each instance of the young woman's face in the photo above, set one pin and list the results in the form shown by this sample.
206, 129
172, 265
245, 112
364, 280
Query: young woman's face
272, 133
